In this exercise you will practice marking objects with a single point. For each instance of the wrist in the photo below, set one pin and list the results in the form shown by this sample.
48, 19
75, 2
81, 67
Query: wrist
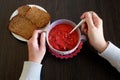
102, 46
35, 60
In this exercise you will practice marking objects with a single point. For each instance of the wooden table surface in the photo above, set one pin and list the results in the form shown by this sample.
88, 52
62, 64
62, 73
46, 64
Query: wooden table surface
87, 65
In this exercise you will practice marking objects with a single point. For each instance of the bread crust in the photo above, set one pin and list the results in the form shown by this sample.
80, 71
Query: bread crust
28, 20
23, 10
20, 25
38, 17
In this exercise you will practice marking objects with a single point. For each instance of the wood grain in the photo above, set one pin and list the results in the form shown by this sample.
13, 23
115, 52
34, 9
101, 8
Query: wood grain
87, 65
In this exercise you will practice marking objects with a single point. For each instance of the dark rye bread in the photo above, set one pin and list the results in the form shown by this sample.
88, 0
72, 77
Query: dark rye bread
20, 25
38, 17
27, 20
23, 10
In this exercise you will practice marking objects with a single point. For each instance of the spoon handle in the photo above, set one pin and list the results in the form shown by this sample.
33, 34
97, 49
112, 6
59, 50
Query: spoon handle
79, 24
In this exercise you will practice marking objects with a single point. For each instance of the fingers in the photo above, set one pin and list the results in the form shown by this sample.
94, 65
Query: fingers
83, 15
34, 39
92, 19
96, 19
36, 34
88, 18
42, 39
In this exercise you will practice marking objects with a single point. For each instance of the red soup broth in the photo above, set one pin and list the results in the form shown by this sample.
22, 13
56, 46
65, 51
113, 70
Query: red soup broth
60, 39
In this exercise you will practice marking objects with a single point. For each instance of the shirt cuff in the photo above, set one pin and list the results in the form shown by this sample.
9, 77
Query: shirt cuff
112, 54
31, 71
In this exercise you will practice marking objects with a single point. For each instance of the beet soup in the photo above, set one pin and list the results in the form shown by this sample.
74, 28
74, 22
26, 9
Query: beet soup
60, 39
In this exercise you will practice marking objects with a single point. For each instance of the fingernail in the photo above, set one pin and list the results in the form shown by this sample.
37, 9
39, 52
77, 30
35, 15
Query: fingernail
81, 17
43, 33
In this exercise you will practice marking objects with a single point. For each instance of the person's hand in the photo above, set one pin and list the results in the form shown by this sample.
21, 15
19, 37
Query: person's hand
36, 46
94, 29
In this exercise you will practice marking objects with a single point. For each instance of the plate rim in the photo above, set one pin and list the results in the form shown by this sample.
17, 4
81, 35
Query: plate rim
16, 13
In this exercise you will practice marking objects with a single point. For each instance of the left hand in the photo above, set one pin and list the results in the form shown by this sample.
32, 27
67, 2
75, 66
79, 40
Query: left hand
36, 50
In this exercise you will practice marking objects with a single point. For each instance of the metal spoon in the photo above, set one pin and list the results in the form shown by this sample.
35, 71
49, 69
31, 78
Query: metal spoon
78, 25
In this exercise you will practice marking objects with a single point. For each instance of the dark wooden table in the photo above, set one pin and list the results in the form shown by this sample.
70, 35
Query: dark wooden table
87, 65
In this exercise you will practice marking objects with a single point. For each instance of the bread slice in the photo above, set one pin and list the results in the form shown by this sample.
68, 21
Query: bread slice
23, 10
38, 17
27, 20
22, 26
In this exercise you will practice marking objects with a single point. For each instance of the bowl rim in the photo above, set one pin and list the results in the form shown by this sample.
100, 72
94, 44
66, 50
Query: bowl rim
62, 21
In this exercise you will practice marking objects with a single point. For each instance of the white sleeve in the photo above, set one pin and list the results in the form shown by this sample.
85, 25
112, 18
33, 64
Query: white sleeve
112, 54
31, 71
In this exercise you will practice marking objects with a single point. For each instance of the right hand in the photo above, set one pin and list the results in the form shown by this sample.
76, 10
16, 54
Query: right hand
94, 29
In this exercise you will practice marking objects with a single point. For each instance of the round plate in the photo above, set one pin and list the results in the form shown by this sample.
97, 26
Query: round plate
16, 13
